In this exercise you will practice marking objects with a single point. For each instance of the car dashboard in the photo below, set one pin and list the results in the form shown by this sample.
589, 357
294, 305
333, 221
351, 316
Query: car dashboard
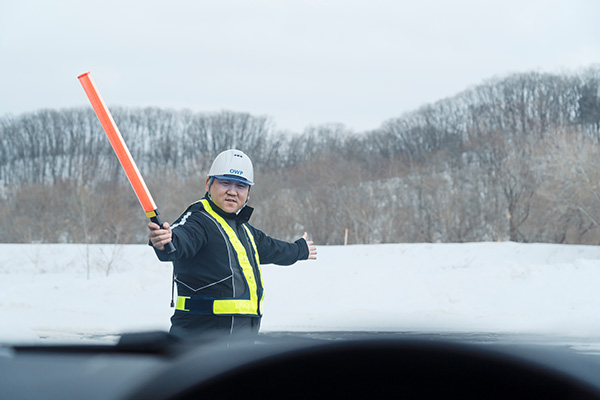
156, 365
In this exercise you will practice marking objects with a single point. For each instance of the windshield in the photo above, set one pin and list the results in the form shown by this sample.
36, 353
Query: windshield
441, 156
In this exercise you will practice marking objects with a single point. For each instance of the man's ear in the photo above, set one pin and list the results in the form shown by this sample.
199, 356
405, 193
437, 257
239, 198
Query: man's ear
206, 185
247, 196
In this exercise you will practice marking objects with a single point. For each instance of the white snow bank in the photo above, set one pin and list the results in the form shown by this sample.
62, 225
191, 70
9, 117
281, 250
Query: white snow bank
46, 293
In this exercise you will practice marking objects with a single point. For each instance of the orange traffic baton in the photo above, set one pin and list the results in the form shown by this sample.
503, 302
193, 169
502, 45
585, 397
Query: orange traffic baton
122, 151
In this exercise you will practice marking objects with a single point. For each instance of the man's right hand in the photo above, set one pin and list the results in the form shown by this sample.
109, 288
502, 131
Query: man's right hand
158, 236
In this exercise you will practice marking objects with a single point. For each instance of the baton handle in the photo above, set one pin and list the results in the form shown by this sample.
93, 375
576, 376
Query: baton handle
169, 247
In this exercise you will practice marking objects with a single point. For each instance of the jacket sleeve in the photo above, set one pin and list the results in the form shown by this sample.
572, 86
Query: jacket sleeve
189, 236
274, 251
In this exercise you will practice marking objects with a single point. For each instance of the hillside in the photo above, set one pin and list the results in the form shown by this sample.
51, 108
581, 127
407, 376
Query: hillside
514, 158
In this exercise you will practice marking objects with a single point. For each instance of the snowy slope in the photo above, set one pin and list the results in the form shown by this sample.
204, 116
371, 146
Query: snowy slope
46, 293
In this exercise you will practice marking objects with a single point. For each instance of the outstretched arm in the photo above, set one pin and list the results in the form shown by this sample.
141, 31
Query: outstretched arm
279, 252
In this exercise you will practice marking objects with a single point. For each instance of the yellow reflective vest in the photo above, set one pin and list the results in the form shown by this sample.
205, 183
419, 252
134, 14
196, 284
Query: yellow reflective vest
249, 303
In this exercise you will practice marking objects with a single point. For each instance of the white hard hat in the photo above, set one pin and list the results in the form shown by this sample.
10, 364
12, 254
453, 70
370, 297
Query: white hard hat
234, 165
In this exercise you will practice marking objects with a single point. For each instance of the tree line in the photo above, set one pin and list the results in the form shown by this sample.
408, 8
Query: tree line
513, 158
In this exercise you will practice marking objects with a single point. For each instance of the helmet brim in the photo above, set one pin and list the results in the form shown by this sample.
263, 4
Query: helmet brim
234, 178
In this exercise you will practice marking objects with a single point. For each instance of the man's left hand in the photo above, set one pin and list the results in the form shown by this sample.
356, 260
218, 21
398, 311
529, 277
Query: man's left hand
312, 250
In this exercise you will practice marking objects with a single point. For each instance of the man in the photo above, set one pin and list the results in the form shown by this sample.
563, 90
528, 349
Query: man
218, 255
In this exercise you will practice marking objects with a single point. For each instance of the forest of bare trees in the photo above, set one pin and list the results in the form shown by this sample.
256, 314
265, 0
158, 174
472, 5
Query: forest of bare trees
514, 158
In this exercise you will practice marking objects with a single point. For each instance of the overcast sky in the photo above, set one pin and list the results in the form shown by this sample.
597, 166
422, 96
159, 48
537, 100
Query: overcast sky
300, 62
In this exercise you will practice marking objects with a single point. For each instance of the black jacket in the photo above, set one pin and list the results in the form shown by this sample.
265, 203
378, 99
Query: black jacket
205, 262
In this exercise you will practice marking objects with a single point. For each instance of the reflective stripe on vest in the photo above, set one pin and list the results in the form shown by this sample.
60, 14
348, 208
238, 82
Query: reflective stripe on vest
252, 305
257, 259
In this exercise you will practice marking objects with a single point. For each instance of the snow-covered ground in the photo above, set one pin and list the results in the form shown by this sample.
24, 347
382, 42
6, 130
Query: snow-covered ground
77, 292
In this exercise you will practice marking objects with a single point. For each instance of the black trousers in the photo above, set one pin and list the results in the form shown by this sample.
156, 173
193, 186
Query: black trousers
199, 327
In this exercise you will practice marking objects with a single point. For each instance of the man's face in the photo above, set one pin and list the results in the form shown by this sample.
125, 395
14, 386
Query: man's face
229, 196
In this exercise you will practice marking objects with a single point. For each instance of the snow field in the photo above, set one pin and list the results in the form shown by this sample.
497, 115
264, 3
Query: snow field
95, 292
